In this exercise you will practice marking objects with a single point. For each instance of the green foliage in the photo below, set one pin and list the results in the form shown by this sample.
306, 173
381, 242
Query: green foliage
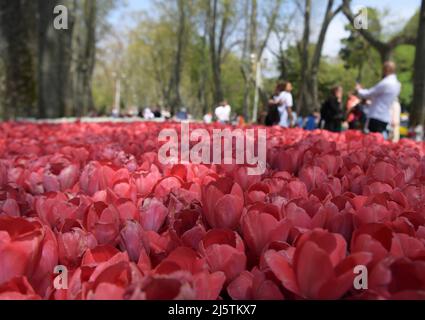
411, 28
404, 56
144, 60
233, 83
364, 61
359, 55
333, 73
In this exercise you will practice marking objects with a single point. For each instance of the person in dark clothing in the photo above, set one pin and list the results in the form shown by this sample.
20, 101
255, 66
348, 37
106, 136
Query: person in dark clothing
331, 112
273, 115
157, 113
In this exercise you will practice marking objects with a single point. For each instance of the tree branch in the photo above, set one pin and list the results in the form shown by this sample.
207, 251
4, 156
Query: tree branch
379, 45
270, 28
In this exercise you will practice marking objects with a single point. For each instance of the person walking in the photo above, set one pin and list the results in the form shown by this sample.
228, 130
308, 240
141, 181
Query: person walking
332, 113
285, 103
382, 97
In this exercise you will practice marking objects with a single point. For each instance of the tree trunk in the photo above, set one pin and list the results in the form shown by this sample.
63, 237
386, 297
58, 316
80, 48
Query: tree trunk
219, 96
54, 60
310, 84
202, 93
304, 99
419, 79
16, 26
315, 65
174, 86
246, 61
85, 47
386, 53
216, 46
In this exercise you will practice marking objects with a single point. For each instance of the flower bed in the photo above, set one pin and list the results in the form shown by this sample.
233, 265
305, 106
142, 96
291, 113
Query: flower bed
95, 199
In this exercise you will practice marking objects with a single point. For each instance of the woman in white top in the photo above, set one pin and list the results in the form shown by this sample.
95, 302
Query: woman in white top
285, 103
223, 112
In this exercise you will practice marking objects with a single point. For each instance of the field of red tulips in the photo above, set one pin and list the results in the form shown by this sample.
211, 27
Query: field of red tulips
95, 199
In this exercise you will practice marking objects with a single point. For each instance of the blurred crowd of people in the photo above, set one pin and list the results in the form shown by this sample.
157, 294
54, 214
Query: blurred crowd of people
375, 110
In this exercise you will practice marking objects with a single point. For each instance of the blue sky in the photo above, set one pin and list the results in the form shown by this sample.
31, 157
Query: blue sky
130, 6
399, 11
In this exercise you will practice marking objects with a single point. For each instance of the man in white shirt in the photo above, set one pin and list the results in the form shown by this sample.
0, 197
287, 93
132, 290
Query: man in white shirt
223, 112
382, 97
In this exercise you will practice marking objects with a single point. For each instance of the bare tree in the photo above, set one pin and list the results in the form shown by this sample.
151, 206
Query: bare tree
202, 90
284, 34
257, 43
174, 85
385, 49
219, 19
309, 93
250, 10
419, 79
305, 100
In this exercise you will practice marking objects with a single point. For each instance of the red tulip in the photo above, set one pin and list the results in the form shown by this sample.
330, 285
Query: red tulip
103, 221
224, 251
72, 244
223, 203
18, 289
133, 240
261, 228
3, 175
184, 259
320, 269
20, 247
153, 215
254, 286
188, 228
95, 198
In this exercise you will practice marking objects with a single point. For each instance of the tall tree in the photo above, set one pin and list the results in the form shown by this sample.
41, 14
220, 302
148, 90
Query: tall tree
284, 33
250, 14
174, 85
203, 69
305, 98
219, 21
17, 26
257, 37
385, 49
309, 92
54, 59
84, 46
419, 75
